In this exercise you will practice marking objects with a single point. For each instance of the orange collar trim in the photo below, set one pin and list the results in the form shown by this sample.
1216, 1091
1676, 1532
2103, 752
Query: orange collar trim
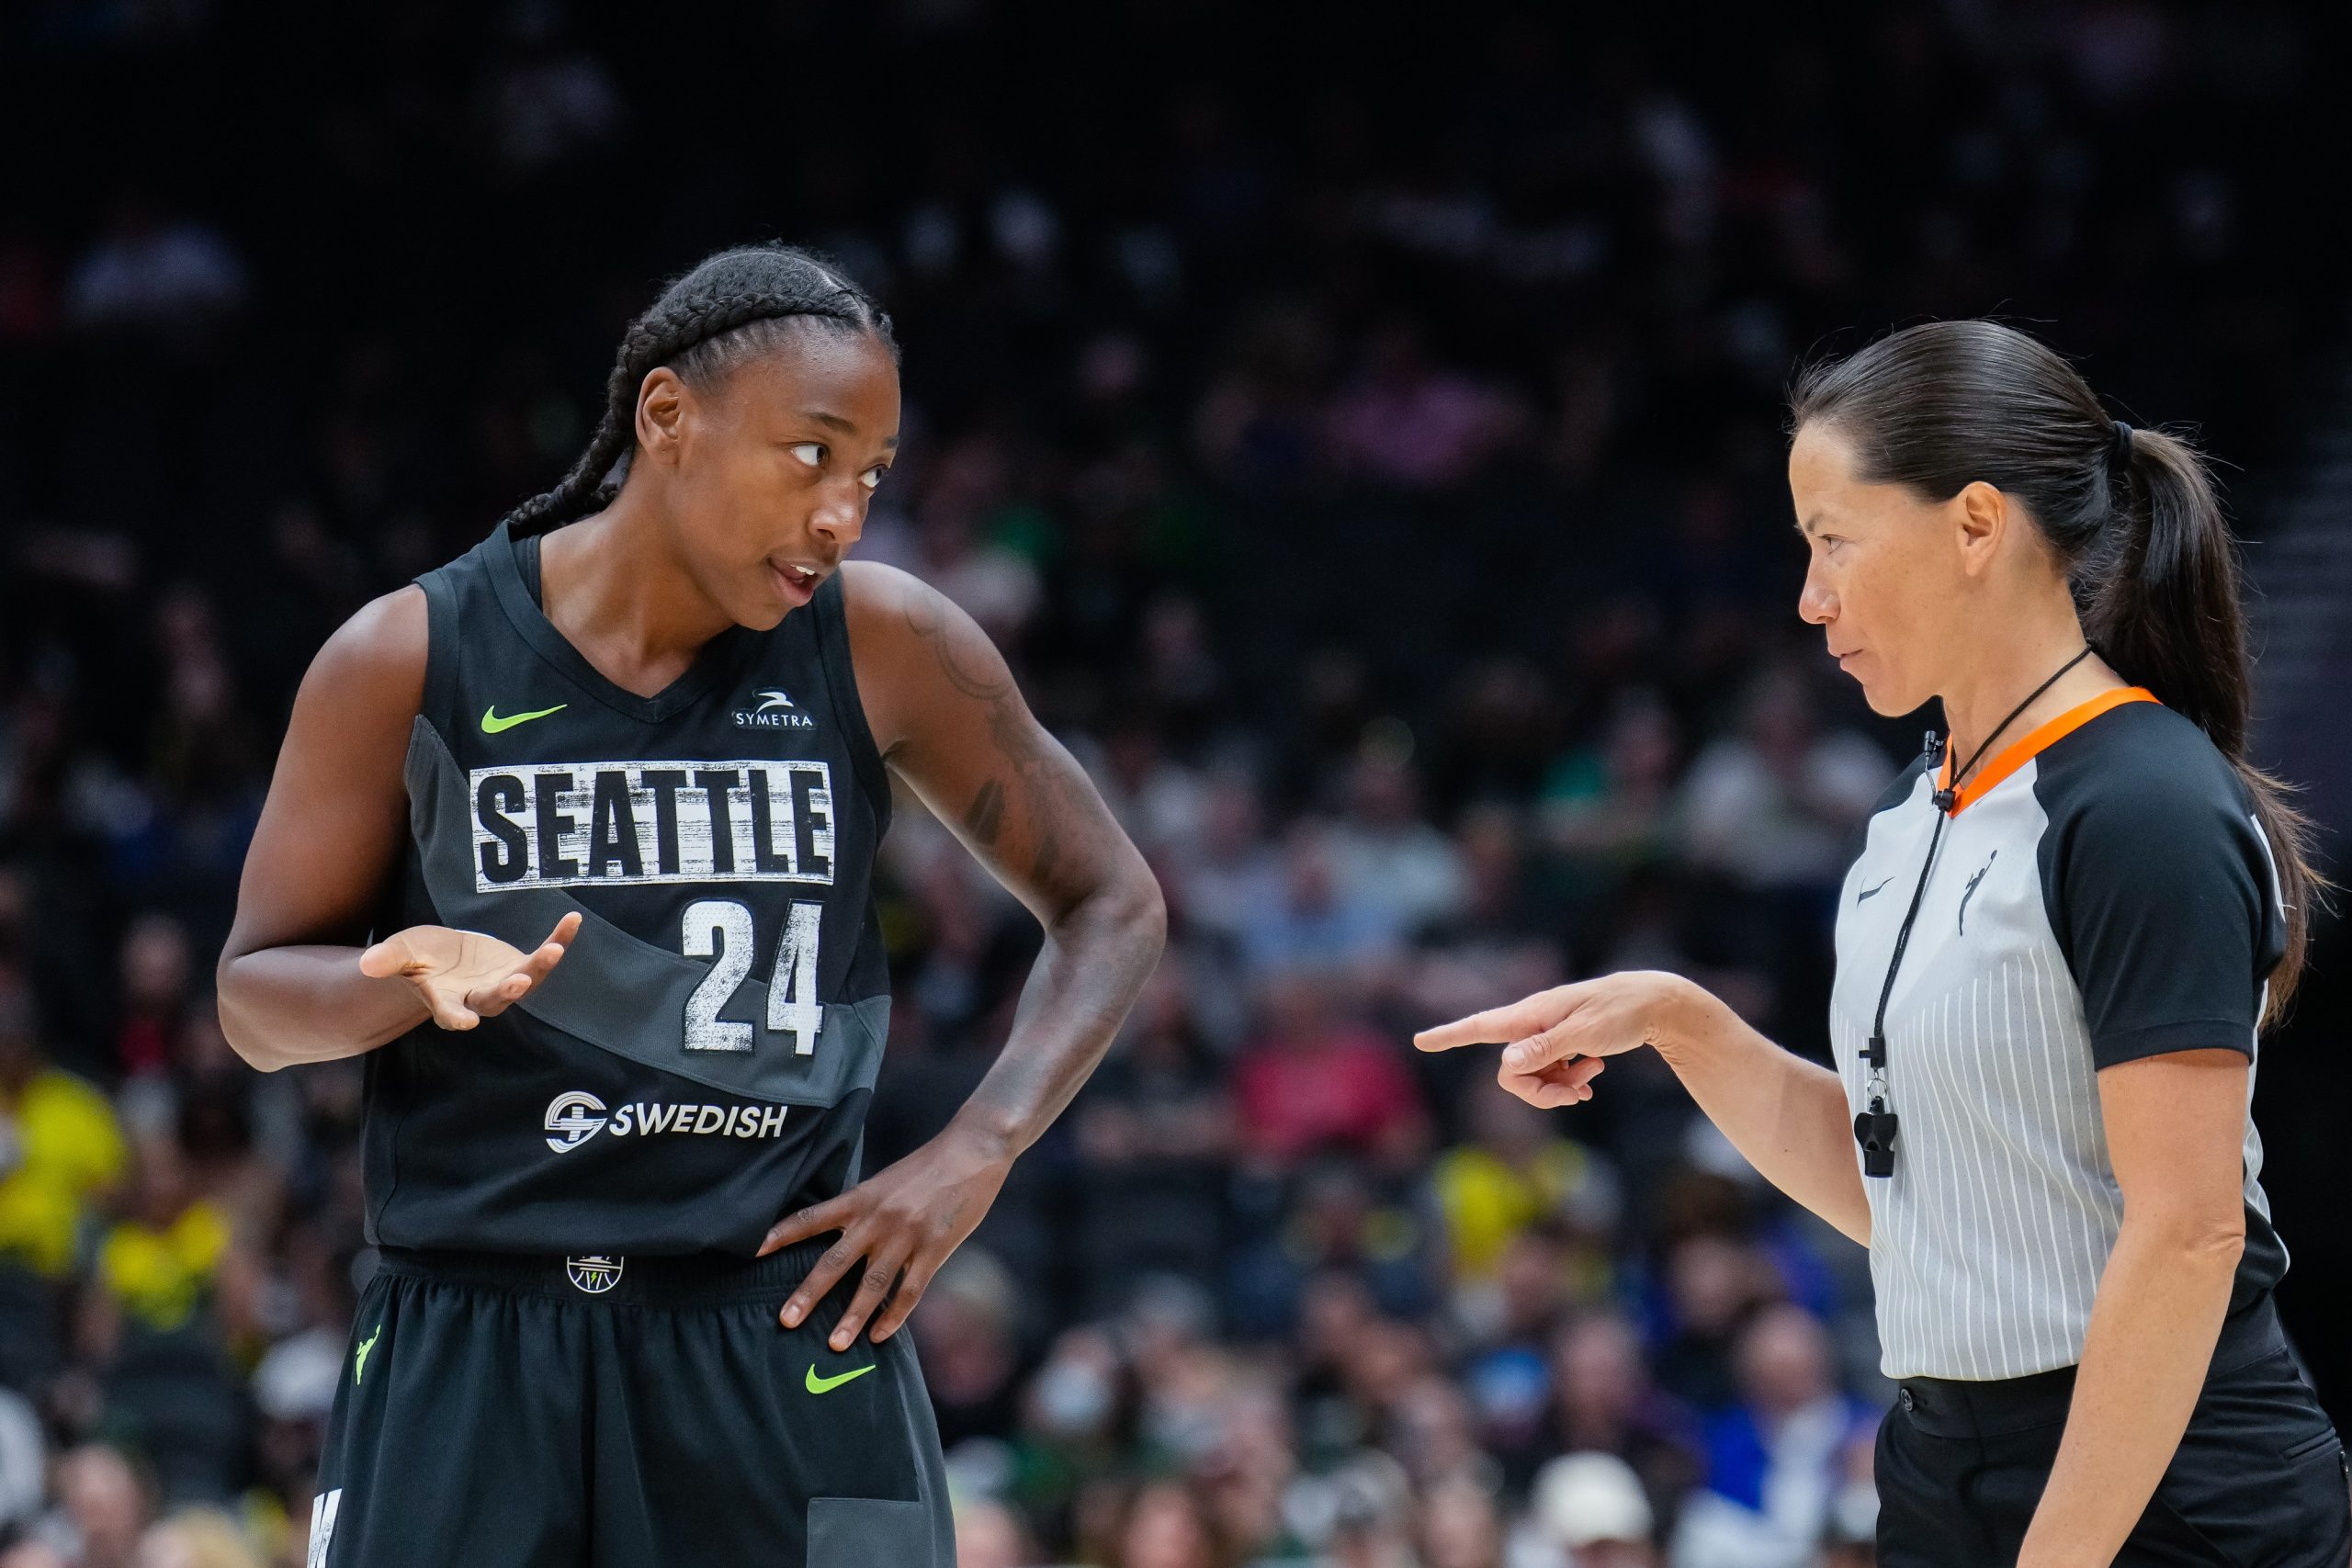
2040, 741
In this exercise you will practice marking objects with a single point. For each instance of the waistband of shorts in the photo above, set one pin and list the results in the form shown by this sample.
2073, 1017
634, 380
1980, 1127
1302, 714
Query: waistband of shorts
1952, 1407
700, 1278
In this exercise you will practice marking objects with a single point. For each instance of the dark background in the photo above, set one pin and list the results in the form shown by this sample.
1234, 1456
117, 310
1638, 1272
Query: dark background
1363, 420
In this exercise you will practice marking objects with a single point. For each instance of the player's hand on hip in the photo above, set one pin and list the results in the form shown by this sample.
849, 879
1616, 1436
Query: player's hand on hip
465, 976
903, 1221
1555, 1042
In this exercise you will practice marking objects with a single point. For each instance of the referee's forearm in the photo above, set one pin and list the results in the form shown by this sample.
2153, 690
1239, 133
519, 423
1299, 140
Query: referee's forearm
1787, 1115
2152, 1328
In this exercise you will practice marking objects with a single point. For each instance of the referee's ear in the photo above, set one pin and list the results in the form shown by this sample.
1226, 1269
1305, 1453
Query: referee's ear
1981, 525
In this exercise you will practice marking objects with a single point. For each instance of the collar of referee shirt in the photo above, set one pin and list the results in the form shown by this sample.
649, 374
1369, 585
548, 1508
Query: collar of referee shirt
1875, 1128
2038, 740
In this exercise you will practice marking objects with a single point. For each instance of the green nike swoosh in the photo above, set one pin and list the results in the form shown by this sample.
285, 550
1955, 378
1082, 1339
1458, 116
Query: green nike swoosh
491, 724
826, 1385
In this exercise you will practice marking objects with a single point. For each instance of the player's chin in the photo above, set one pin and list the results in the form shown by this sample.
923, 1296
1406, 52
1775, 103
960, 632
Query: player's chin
762, 602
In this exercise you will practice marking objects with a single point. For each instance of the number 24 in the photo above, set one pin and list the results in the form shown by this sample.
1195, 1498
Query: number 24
722, 929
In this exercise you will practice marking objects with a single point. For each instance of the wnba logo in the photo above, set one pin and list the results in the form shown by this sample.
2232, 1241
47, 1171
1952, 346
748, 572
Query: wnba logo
573, 1119
595, 1275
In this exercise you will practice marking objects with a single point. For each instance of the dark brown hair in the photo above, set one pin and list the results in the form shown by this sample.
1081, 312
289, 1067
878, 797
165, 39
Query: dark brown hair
2136, 520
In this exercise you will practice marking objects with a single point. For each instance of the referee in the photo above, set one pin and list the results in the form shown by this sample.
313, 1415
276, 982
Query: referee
2068, 924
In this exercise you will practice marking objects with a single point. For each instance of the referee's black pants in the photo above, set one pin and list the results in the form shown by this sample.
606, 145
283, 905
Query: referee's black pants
2260, 1479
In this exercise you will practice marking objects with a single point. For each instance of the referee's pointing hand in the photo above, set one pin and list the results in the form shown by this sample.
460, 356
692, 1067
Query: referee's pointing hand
1555, 1040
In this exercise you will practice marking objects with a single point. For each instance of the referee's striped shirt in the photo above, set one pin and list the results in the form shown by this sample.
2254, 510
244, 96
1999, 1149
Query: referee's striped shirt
2102, 893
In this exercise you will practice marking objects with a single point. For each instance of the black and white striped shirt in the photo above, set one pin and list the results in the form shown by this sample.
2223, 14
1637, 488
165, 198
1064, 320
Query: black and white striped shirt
2102, 893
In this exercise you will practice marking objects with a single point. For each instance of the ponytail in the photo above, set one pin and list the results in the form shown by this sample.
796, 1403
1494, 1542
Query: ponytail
2160, 601
2158, 589
2133, 514
728, 307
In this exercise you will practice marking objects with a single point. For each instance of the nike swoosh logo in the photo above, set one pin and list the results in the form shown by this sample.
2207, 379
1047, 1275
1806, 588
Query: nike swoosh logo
827, 1385
1871, 892
491, 724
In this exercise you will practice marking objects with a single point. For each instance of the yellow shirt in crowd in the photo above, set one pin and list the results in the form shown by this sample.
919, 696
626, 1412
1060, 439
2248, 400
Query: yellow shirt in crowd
59, 1145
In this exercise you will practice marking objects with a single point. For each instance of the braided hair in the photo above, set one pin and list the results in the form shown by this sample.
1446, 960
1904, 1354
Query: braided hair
729, 308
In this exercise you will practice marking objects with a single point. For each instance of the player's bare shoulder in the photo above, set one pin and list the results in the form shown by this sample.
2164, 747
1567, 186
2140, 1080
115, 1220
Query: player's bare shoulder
375, 661
914, 650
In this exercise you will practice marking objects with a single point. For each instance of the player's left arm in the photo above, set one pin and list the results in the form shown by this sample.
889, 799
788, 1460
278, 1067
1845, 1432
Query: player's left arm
950, 722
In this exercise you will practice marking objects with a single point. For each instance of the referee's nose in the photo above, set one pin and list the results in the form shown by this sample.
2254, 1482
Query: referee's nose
1816, 604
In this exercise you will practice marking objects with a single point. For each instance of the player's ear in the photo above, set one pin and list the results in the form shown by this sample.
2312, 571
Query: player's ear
662, 413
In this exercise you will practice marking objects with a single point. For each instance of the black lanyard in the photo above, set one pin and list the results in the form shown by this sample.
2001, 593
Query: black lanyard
1874, 1128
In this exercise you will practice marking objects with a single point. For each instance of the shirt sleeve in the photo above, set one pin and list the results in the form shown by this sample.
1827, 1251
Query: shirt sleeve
2164, 904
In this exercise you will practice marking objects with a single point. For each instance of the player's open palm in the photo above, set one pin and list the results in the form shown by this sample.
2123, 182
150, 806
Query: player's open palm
466, 976
1556, 1040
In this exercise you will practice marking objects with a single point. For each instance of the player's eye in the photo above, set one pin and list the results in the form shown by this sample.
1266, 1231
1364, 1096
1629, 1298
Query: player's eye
872, 477
811, 452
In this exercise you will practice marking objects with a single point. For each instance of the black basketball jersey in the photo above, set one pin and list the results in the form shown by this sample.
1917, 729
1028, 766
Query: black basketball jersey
700, 1063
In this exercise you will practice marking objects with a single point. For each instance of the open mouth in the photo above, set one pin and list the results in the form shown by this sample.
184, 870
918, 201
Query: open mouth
799, 581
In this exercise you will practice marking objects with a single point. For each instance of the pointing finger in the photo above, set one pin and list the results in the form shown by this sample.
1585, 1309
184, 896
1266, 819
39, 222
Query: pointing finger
1497, 1025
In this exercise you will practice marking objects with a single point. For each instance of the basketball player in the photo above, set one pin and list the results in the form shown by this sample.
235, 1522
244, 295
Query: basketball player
607, 790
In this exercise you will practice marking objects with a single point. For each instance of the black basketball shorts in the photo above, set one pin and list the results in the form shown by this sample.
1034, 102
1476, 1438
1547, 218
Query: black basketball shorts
622, 1413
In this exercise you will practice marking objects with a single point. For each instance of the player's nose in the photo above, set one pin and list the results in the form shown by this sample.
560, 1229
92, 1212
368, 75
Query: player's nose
839, 519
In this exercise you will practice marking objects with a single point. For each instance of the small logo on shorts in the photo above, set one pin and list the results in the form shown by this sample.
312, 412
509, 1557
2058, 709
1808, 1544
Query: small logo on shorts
826, 1385
594, 1275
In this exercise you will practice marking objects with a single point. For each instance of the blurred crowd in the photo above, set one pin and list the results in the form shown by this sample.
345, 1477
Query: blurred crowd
1366, 446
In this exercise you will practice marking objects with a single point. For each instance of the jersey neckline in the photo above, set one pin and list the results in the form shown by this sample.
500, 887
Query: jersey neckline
719, 657
2040, 740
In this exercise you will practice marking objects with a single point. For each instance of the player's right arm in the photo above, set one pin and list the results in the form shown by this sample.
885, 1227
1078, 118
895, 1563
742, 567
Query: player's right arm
295, 983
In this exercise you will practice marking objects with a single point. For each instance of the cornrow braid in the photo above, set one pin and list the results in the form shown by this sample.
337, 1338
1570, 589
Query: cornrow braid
728, 307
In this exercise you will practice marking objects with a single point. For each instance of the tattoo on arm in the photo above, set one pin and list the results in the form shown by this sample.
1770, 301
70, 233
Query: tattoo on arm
966, 674
1038, 819
1051, 802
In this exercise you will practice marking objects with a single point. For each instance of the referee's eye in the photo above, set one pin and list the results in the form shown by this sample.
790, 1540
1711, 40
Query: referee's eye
809, 452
